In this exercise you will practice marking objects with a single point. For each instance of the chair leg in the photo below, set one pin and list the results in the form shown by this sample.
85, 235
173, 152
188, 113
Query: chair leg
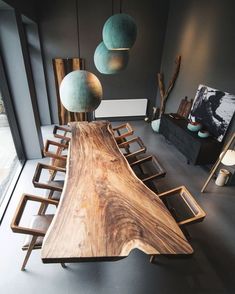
43, 207
52, 176
152, 259
63, 265
186, 233
31, 245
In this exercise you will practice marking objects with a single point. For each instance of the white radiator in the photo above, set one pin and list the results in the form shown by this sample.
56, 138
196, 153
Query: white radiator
121, 108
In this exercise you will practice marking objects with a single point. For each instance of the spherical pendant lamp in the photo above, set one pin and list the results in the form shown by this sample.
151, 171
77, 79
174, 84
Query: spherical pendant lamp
110, 61
119, 32
80, 91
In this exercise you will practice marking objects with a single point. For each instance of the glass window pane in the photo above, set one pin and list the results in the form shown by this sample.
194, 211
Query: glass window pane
8, 158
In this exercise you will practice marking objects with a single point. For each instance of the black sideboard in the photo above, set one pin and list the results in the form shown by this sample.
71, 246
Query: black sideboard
198, 151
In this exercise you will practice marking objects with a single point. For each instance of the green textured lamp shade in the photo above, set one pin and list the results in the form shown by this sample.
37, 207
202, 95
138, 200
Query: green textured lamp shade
110, 61
80, 91
119, 32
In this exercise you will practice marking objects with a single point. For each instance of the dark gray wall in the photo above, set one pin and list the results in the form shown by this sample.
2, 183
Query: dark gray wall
58, 29
25, 7
31, 30
11, 50
202, 31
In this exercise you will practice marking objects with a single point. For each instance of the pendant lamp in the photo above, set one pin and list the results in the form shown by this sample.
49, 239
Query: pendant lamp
119, 32
80, 91
110, 61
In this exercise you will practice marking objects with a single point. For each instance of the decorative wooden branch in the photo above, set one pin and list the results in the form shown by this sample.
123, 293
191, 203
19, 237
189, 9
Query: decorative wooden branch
164, 93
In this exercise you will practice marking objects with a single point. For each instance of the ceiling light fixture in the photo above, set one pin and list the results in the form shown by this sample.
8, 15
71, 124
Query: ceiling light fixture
119, 31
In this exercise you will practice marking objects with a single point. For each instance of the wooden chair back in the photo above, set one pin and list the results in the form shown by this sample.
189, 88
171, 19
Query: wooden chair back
122, 131
149, 172
183, 206
15, 224
61, 132
127, 144
50, 185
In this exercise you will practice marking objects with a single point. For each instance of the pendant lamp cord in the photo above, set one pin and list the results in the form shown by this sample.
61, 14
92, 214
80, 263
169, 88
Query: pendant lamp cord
78, 36
112, 7
120, 6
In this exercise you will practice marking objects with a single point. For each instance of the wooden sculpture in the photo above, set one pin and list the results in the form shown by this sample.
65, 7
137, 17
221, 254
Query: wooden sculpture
164, 93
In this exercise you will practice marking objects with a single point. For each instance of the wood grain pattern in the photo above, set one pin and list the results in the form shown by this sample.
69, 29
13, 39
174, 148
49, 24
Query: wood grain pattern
105, 211
61, 68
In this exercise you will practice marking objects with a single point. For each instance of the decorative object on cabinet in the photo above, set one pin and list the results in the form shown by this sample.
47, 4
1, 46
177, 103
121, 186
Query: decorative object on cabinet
197, 151
194, 126
185, 107
227, 157
214, 109
203, 134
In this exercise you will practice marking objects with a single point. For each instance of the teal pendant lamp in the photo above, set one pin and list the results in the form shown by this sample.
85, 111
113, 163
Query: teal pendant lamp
119, 32
80, 91
110, 61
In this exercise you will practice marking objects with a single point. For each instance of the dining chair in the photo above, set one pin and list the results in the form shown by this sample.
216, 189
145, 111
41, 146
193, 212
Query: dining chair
129, 145
183, 207
62, 133
53, 187
122, 131
38, 225
149, 167
56, 152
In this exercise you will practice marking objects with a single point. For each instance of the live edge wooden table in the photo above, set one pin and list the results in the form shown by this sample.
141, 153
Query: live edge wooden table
105, 211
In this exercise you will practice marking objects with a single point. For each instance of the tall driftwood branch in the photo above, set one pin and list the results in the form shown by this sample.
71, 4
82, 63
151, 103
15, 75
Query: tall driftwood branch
164, 93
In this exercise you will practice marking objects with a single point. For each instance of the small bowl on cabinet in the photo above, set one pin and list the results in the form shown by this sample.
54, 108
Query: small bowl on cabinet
194, 126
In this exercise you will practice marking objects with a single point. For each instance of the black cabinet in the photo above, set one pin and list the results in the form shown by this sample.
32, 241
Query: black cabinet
198, 151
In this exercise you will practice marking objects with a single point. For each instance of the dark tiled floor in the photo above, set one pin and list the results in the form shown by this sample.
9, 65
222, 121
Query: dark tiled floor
210, 270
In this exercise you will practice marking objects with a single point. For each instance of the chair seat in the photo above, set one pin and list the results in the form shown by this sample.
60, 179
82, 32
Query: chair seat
58, 163
55, 196
56, 183
38, 222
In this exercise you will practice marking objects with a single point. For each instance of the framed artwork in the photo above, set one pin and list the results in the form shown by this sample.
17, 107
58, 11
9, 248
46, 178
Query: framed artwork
214, 109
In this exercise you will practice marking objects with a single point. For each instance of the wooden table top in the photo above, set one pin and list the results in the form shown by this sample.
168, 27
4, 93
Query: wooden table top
105, 211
